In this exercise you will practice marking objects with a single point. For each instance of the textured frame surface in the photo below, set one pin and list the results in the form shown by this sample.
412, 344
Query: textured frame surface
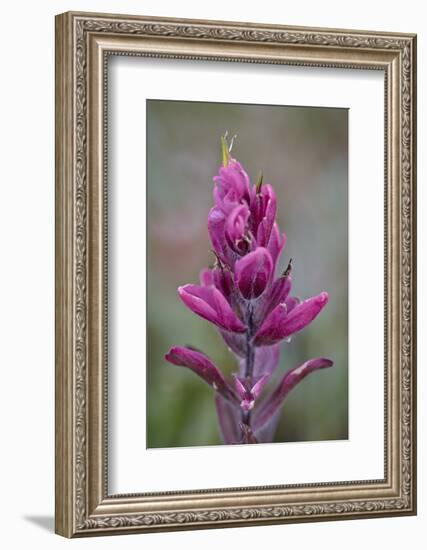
83, 44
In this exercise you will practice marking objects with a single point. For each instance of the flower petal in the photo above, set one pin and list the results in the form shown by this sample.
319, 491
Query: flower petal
276, 294
253, 273
291, 302
258, 386
223, 280
216, 228
203, 367
231, 186
236, 228
288, 382
282, 324
210, 304
268, 215
276, 243
240, 384
248, 391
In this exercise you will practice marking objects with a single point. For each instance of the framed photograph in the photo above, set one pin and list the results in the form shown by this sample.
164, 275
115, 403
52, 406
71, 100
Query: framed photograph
235, 274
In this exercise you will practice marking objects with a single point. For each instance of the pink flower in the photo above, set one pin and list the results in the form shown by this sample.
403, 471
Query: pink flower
253, 311
203, 367
282, 323
253, 273
210, 303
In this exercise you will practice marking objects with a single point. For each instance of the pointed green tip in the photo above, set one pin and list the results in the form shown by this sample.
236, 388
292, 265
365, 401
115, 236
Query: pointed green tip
224, 150
288, 270
259, 182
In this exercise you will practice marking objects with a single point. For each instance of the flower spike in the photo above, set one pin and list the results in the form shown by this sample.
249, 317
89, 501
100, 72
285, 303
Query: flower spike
250, 306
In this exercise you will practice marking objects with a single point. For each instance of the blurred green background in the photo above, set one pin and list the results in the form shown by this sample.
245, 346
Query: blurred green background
303, 152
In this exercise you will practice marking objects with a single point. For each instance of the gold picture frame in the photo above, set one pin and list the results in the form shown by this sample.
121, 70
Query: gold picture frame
83, 43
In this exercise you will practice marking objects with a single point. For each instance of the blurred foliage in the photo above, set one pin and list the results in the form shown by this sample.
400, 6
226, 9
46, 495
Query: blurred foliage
303, 152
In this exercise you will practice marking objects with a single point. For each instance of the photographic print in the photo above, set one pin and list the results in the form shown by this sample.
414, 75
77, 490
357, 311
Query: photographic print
235, 274
247, 230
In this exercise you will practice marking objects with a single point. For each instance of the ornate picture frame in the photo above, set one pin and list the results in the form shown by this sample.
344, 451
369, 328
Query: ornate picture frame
84, 42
